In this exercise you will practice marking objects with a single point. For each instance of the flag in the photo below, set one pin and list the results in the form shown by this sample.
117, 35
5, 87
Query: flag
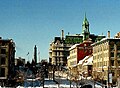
27, 53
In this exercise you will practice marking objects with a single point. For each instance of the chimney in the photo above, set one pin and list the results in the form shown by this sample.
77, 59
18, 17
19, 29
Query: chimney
62, 34
108, 34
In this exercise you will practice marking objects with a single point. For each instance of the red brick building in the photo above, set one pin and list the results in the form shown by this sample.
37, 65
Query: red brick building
84, 49
78, 52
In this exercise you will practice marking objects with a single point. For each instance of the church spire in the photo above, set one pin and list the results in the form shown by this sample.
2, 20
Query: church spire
85, 28
85, 18
85, 21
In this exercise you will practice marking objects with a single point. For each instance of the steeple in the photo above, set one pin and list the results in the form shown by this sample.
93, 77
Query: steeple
85, 20
85, 28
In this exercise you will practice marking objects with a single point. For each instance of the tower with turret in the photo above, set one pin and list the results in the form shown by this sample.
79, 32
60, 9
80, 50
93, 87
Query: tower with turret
85, 28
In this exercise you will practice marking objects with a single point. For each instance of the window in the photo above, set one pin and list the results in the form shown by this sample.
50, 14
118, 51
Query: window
119, 62
57, 53
118, 55
112, 54
2, 61
3, 43
113, 73
112, 62
118, 47
3, 51
2, 72
111, 48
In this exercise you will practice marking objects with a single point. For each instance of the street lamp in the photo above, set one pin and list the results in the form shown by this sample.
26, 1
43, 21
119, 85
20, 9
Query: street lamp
44, 75
109, 77
70, 77
102, 76
53, 72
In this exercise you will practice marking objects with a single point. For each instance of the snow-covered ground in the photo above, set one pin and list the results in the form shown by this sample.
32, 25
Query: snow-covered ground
63, 83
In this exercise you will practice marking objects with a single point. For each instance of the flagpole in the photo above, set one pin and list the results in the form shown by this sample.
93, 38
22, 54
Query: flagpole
28, 55
39, 55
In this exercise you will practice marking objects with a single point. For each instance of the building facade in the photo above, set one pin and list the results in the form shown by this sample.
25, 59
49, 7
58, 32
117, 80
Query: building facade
59, 48
106, 60
7, 58
73, 57
58, 52
19, 61
85, 66
79, 51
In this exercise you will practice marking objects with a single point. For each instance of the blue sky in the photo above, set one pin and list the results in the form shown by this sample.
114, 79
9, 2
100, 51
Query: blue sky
37, 22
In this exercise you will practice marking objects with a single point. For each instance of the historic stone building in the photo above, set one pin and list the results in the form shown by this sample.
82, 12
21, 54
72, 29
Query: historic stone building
7, 58
78, 52
58, 51
106, 60
59, 48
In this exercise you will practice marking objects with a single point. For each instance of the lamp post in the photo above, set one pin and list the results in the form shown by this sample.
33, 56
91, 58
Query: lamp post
109, 77
70, 77
58, 75
44, 75
103, 76
53, 72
